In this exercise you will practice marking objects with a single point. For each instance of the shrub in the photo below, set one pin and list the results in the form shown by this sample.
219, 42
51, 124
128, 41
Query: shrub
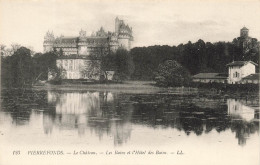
171, 73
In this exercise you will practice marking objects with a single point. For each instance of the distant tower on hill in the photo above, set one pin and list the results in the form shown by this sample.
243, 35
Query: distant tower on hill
244, 32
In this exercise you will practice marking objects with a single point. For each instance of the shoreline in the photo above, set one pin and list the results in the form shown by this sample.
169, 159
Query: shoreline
142, 87
126, 87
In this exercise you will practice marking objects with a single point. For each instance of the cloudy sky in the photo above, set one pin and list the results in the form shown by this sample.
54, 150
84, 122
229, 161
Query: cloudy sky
154, 22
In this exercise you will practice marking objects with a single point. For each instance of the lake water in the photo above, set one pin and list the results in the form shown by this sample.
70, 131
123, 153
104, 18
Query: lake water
206, 129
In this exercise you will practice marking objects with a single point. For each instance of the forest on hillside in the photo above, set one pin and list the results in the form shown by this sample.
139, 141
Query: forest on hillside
195, 57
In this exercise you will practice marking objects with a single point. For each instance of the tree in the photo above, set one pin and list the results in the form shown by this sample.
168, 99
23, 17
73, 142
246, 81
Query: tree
92, 69
124, 66
43, 63
17, 70
101, 61
171, 73
2, 49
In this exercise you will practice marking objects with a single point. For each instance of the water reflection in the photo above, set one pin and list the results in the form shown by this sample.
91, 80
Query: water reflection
93, 111
243, 117
115, 115
240, 109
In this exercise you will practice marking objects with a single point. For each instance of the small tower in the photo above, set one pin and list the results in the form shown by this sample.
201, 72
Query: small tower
82, 34
101, 33
244, 32
82, 44
117, 22
48, 42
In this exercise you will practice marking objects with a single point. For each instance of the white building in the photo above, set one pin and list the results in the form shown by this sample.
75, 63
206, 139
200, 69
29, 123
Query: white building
237, 70
79, 68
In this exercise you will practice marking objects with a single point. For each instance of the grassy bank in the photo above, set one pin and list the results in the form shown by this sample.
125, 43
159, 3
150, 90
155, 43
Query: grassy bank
209, 89
126, 86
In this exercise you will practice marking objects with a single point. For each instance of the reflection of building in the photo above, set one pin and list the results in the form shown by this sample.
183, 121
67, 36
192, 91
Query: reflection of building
239, 110
211, 103
244, 118
74, 102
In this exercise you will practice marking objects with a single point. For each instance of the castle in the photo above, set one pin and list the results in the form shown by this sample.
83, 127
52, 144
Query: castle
246, 42
75, 51
84, 45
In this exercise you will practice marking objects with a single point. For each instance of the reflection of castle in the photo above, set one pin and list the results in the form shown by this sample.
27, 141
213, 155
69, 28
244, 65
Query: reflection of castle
77, 103
90, 110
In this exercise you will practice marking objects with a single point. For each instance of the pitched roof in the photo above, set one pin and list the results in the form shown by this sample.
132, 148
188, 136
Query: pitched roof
244, 28
252, 76
210, 76
241, 63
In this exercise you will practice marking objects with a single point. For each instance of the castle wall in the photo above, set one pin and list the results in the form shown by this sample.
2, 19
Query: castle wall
77, 68
124, 43
47, 48
83, 50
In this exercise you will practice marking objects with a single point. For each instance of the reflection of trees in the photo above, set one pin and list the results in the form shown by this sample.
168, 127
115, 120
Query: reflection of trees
19, 103
244, 118
107, 114
195, 115
243, 130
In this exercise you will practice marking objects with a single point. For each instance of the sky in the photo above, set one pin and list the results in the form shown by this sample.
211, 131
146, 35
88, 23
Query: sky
154, 22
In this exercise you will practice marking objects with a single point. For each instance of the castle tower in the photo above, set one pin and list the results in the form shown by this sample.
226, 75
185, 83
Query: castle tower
124, 33
82, 44
48, 42
244, 32
117, 25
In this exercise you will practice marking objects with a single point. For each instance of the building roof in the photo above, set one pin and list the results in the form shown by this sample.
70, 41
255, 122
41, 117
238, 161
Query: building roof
72, 41
97, 40
66, 40
210, 76
244, 28
241, 63
252, 77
